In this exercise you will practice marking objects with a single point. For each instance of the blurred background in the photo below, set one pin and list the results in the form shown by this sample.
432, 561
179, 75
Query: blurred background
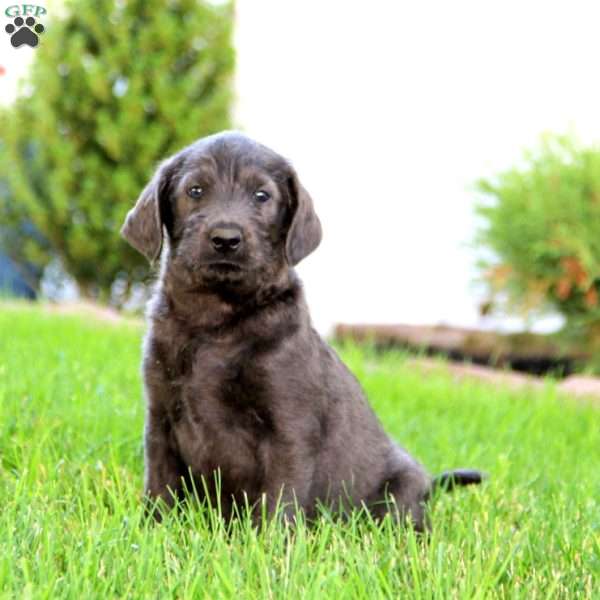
450, 148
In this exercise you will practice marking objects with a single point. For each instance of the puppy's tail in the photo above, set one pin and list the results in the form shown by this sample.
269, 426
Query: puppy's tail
448, 480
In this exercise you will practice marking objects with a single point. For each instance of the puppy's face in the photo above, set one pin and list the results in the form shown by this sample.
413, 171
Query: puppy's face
228, 216
234, 212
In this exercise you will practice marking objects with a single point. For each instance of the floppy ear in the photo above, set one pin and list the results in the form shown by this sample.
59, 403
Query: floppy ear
304, 233
143, 223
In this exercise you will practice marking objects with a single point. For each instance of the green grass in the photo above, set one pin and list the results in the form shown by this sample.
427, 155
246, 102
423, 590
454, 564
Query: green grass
71, 525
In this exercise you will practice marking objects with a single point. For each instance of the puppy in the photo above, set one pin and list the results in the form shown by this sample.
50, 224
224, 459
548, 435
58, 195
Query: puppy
239, 387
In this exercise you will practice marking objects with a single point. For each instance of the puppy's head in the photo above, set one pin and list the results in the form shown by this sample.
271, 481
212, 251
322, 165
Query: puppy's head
234, 212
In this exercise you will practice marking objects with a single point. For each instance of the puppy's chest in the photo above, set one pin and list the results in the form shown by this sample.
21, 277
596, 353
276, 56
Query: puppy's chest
218, 389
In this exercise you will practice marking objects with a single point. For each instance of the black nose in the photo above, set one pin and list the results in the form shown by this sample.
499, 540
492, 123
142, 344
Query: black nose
226, 239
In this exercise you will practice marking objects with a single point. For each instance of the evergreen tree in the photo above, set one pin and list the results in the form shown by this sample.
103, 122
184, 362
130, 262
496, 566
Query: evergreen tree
115, 87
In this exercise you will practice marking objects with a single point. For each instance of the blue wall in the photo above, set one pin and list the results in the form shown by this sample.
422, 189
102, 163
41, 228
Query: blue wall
12, 282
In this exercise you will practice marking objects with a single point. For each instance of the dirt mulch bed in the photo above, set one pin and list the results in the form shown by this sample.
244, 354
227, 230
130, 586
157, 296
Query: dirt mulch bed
576, 386
524, 352
79, 308
513, 360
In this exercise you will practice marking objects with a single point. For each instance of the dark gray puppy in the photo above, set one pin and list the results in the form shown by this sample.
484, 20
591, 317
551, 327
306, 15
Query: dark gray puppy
237, 381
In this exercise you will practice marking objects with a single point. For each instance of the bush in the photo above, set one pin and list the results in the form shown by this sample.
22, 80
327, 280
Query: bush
543, 228
115, 87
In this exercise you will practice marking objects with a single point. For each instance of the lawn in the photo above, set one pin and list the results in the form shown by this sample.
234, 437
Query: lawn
71, 525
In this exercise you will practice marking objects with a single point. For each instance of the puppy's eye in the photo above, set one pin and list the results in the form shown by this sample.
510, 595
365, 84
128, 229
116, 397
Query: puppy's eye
261, 196
195, 192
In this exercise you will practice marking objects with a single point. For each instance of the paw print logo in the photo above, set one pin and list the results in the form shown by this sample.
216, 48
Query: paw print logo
24, 32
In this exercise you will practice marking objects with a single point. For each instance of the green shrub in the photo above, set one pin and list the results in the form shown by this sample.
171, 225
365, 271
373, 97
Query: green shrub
543, 229
115, 87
